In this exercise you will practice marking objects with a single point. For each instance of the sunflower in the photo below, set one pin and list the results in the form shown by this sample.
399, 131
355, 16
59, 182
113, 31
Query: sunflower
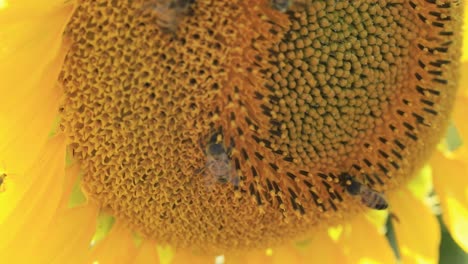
110, 158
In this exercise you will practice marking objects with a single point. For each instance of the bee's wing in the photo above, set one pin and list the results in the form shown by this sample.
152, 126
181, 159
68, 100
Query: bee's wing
235, 178
365, 193
209, 180
364, 200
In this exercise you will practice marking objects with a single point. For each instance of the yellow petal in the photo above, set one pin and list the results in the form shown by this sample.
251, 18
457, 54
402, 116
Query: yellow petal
31, 56
117, 247
363, 243
378, 218
3, 4
10, 7
250, 257
460, 112
322, 249
147, 253
166, 254
68, 238
421, 185
451, 185
417, 229
286, 254
183, 257
33, 198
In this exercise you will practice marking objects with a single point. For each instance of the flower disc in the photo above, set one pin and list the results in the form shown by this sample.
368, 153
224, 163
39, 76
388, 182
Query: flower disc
363, 87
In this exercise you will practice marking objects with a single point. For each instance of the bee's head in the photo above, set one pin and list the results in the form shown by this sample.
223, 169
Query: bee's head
350, 183
215, 149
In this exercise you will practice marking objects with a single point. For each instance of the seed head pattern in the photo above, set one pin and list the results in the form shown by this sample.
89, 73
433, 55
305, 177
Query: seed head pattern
362, 87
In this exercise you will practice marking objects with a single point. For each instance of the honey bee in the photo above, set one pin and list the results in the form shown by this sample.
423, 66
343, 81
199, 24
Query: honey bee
218, 161
281, 5
285, 5
2, 180
169, 12
369, 197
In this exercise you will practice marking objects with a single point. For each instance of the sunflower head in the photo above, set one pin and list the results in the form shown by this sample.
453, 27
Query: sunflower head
329, 88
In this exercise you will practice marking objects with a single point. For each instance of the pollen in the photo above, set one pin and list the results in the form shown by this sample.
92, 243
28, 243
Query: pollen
302, 96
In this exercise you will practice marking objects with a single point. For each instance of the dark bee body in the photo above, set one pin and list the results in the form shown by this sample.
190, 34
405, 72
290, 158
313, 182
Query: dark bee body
369, 197
281, 5
373, 199
218, 161
285, 5
170, 12
2, 179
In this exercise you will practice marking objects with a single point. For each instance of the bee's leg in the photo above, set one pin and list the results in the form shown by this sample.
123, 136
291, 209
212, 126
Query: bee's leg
364, 180
393, 216
235, 180
200, 170
223, 180
213, 134
230, 148
202, 145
